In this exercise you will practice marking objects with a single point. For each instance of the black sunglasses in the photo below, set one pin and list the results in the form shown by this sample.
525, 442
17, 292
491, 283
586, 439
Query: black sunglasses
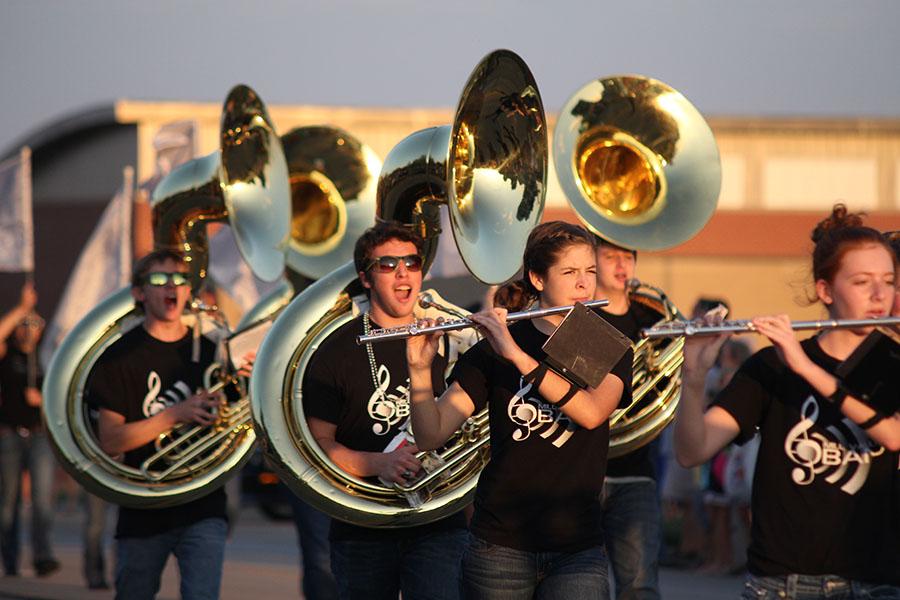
389, 264
161, 278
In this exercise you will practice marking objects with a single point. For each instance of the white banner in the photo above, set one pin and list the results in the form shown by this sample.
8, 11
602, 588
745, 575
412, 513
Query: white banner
174, 145
16, 227
103, 267
447, 261
231, 273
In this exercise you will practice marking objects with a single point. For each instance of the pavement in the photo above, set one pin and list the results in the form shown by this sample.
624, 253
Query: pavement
261, 561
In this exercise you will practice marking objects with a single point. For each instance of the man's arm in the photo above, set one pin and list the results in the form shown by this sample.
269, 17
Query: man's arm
11, 319
117, 436
389, 466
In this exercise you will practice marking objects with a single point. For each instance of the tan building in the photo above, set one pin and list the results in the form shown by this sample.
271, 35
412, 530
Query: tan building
780, 176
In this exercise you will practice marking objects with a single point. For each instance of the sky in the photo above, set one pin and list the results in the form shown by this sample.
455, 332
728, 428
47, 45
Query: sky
730, 58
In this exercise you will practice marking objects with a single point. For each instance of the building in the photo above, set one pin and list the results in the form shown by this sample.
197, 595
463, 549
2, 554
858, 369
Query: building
780, 176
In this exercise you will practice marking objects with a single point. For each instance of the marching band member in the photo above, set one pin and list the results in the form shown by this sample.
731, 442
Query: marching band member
536, 531
632, 522
143, 386
356, 400
821, 487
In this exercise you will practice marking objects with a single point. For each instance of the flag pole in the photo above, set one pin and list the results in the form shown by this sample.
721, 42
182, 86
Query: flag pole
25, 158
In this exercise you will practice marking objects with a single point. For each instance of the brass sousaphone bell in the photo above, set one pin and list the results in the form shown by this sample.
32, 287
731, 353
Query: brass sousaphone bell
490, 168
640, 167
245, 183
333, 177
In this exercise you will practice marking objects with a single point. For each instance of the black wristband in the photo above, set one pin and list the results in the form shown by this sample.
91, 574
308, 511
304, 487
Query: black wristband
536, 375
873, 421
573, 389
839, 395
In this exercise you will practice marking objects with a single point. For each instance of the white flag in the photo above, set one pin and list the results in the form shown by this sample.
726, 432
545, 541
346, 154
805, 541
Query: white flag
174, 145
447, 261
16, 231
232, 274
103, 267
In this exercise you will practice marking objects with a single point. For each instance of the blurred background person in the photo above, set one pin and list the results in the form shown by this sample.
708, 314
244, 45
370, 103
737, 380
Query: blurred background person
630, 497
24, 445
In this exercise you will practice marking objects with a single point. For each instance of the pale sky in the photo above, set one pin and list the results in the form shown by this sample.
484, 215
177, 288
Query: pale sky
755, 57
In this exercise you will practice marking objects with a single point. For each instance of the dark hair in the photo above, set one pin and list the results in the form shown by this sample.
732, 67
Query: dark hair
143, 265
600, 241
893, 238
545, 243
704, 304
378, 234
836, 235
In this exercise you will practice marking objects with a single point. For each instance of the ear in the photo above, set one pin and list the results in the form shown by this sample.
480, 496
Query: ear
364, 280
823, 291
138, 294
536, 280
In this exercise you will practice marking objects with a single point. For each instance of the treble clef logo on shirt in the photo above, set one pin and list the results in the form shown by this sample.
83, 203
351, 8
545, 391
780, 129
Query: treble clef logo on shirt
387, 409
848, 458
530, 413
152, 404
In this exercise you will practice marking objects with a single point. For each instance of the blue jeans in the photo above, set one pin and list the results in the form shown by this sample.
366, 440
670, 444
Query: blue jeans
815, 587
95, 510
632, 530
492, 572
312, 534
422, 568
199, 549
20, 451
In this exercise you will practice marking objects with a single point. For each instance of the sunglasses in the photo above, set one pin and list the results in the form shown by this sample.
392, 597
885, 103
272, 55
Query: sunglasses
160, 278
389, 264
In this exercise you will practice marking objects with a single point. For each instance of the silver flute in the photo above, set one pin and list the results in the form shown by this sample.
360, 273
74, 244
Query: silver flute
692, 328
405, 331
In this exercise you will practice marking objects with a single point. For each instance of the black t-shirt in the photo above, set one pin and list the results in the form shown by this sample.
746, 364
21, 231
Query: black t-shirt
14, 410
137, 377
339, 388
540, 490
638, 462
821, 496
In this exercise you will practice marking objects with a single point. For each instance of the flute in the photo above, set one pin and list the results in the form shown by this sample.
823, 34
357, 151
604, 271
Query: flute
691, 328
405, 331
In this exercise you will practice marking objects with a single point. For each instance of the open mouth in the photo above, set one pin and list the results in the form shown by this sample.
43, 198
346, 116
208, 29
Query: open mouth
171, 302
403, 292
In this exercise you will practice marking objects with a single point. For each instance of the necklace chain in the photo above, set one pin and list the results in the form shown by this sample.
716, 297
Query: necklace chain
367, 329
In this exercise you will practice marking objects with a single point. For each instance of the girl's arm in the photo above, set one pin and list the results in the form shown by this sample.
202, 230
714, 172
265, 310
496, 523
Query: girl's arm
778, 329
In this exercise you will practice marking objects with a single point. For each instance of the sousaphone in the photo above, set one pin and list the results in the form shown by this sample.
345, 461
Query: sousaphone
640, 167
489, 167
246, 183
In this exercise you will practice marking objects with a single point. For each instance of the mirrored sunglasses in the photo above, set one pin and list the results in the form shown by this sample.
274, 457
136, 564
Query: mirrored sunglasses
159, 278
389, 264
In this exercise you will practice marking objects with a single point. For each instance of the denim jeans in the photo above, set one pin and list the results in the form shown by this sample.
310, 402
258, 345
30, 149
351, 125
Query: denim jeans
422, 568
199, 549
492, 572
20, 451
317, 581
815, 587
95, 510
631, 531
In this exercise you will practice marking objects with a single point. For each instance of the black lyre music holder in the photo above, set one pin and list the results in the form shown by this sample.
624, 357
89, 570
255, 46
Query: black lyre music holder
585, 347
872, 371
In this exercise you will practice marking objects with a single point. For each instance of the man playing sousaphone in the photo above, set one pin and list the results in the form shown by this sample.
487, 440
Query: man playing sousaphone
146, 383
356, 399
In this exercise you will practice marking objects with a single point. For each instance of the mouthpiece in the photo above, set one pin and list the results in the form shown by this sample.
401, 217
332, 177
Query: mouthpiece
633, 284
